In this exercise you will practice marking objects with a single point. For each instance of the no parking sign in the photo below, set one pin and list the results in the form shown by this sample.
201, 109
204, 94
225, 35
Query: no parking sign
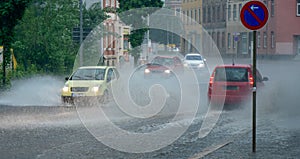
254, 15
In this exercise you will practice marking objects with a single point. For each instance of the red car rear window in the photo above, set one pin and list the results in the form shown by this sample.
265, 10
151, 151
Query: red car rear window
231, 74
163, 61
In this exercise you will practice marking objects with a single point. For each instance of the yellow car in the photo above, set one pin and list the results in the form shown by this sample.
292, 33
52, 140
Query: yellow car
89, 81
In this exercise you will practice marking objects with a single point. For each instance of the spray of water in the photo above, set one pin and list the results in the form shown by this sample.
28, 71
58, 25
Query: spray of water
35, 91
280, 100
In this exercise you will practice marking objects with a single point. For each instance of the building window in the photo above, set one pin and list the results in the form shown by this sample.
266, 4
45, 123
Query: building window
229, 12
208, 14
213, 14
224, 12
192, 16
178, 11
213, 35
272, 39
113, 3
199, 16
204, 15
240, 8
107, 3
258, 39
187, 16
234, 12
218, 13
272, 8
265, 39
196, 18
229, 40
223, 40
183, 16
233, 42
218, 40
298, 7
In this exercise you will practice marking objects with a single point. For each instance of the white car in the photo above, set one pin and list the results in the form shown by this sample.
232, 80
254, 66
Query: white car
194, 61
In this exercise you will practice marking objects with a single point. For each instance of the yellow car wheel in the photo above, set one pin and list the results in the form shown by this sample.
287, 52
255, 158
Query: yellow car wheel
104, 99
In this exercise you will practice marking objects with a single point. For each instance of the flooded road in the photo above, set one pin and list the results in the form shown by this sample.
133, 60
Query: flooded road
49, 129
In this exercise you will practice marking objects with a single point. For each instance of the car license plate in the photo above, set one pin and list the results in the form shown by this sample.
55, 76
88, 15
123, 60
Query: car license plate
77, 94
231, 87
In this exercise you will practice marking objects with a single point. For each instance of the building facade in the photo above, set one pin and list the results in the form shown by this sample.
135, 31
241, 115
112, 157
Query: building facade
214, 23
115, 43
192, 19
238, 39
221, 19
281, 35
174, 5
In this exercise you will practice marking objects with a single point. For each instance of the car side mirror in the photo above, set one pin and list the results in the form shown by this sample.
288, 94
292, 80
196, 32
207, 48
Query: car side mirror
204, 60
265, 79
67, 78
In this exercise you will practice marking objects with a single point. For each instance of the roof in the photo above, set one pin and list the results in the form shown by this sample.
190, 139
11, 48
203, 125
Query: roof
90, 67
193, 54
165, 56
235, 65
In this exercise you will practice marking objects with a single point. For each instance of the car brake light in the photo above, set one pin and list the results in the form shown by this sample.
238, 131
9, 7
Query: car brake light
251, 81
211, 80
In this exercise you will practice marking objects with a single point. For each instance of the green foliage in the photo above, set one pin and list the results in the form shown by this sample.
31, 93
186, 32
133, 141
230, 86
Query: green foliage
10, 12
93, 16
126, 5
43, 36
43, 41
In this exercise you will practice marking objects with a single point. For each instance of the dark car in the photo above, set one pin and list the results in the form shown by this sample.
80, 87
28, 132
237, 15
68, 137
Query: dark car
233, 84
164, 66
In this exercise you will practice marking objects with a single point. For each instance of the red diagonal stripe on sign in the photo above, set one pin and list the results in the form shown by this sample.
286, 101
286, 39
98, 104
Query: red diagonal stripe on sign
254, 15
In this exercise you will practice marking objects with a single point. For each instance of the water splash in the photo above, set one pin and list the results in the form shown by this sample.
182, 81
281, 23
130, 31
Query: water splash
35, 91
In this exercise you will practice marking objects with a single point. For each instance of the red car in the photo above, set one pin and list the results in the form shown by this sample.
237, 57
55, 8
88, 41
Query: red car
232, 84
164, 66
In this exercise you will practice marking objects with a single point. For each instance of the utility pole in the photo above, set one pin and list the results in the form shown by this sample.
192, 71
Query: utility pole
101, 40
148, 42
81, 35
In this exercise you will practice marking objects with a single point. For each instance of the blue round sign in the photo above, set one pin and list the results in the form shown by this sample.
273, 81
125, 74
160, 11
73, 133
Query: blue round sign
254, 15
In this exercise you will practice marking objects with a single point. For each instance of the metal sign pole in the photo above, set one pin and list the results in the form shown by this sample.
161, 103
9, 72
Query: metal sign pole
254, 94
81, 34
254, 15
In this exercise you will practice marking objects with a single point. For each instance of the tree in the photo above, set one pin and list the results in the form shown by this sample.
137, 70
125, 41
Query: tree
93, 16
137, 34
10, 12
43, 42
44, 36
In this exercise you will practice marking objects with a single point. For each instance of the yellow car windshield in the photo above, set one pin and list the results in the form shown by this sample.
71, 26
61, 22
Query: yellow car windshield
89, 74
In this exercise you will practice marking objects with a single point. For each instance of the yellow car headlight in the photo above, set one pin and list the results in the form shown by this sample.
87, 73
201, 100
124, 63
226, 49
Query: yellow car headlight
65, 88
95, 89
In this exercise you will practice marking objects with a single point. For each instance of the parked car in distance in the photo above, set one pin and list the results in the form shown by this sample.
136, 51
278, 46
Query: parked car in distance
233, 84
164, 66
89, 82
194, 61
